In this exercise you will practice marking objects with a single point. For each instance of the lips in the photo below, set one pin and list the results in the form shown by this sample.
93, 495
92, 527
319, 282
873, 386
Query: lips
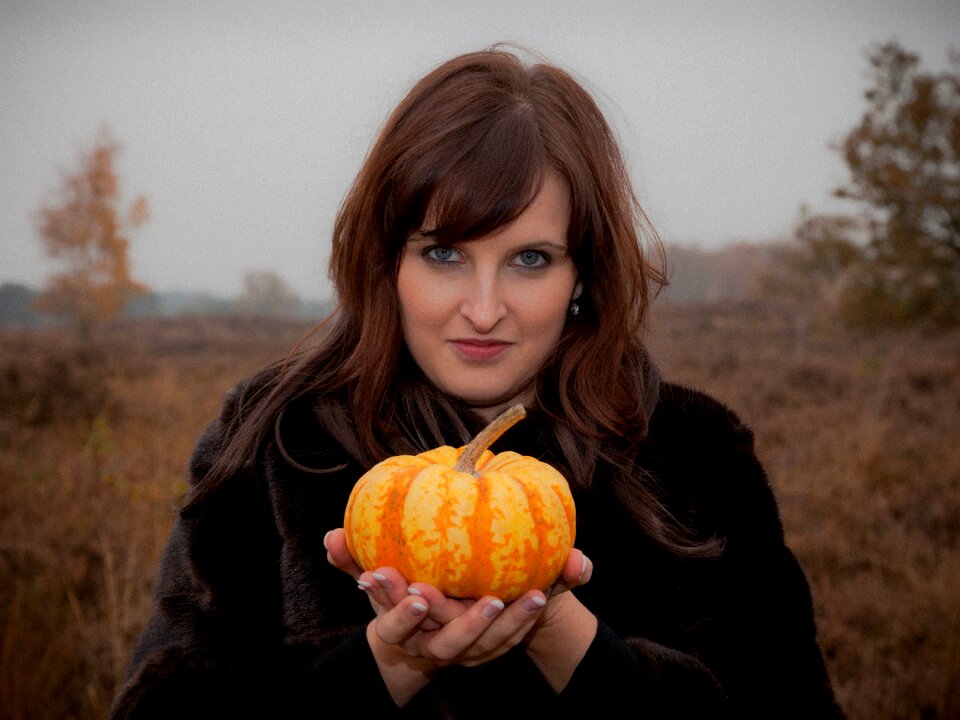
480, 350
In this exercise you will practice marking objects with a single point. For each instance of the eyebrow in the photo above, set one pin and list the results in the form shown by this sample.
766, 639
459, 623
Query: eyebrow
430, 235
421, 235
552, 245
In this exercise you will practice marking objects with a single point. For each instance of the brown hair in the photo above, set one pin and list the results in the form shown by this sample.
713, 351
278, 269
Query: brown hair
472, 140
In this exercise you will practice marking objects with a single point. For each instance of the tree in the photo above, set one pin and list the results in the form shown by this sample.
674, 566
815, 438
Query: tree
904, 163
85, 229
265, 294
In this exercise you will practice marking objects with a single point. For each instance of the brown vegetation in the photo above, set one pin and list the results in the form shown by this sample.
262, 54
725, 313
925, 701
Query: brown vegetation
858, 435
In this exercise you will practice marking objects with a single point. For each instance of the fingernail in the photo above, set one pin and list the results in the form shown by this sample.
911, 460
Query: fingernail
382, 580
534, 603
492, 609
414, 591
583, 570
325, 539
417, 609
364, 585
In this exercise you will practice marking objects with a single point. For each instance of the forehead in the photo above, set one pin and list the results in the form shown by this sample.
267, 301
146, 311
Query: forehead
457, 216
547, 217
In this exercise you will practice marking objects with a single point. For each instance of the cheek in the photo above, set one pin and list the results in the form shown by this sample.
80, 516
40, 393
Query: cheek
547, 310
420, 306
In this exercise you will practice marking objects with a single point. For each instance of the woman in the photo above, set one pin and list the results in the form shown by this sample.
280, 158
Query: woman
488, 253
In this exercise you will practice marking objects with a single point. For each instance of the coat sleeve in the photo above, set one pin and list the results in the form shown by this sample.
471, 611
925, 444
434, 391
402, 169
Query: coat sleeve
742, 639
661, 682
215, 645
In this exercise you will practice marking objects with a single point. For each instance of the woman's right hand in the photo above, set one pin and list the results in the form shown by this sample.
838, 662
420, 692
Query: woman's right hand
425, 624
447, 631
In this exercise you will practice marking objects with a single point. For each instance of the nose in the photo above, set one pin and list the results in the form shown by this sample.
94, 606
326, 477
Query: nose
483, 304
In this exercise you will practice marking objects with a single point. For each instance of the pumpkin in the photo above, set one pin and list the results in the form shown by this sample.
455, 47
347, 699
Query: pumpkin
467, 521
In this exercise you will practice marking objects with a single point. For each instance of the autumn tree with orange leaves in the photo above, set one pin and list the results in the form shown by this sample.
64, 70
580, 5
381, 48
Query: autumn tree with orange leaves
87, 231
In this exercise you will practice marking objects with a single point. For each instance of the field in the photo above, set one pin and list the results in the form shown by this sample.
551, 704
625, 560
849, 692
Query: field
859, 435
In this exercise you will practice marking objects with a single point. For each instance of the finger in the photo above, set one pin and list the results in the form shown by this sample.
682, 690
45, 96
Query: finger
385, 585
337, 554
443, 609
519, 618
431, 622
474, 645
577, 571
456, 639
511, 628
397, 624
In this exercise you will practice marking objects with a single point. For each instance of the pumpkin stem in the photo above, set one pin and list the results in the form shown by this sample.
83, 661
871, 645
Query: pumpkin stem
467, 462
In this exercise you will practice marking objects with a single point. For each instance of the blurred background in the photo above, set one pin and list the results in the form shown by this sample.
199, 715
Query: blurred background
170, 175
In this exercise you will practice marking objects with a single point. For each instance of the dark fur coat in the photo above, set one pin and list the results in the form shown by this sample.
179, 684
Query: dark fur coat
251, 620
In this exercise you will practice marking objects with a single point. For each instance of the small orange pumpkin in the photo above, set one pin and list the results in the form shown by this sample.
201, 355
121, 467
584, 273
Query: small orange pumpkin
467, 521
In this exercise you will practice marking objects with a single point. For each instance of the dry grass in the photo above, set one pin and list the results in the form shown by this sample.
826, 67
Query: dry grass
859, 436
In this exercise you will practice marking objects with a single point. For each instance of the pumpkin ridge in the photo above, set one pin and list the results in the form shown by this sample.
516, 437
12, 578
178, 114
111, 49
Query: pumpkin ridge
422, 512
534, 547
485, 573
390, 542
442, 571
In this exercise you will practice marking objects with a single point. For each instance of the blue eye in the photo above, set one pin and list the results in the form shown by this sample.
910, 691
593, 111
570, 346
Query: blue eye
531, 259
441, 254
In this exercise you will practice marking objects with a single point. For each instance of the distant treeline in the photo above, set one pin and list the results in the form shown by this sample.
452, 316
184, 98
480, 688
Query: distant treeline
18, 307
730, 273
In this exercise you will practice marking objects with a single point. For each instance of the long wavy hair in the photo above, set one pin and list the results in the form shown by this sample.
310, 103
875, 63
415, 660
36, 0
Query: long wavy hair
472, 141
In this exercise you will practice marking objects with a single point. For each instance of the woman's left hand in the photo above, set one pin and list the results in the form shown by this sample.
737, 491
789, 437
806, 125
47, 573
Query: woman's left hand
456, 631
442, 609
555, 628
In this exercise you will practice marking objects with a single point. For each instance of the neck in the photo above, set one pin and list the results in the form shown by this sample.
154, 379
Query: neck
489, 412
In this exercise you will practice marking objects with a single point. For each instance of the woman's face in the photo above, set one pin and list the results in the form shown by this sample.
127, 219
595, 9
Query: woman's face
481, 317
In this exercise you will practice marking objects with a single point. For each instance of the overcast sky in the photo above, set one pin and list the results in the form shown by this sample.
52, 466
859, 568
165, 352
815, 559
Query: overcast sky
243, 122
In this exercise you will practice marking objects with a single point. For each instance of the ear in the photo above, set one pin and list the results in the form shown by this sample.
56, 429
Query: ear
577, 290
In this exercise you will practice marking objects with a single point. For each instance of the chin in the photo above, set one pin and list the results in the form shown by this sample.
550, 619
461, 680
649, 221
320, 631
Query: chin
491, 402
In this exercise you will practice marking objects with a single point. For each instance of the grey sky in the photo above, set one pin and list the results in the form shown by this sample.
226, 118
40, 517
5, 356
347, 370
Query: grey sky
244, 122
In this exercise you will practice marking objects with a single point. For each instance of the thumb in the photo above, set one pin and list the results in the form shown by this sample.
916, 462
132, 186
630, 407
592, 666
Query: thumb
577, 571
338, 555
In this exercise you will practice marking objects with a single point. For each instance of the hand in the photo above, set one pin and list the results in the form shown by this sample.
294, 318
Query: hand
466, 632
406, 612
417, 629
530, 619
424, 623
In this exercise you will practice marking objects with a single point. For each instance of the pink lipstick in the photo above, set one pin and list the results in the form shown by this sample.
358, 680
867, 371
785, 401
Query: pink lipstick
480, 350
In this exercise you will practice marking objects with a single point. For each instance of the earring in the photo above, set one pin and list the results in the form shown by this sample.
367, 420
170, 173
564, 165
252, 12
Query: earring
574, 308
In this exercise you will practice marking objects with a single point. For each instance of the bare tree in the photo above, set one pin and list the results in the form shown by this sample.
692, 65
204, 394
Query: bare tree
265, 294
